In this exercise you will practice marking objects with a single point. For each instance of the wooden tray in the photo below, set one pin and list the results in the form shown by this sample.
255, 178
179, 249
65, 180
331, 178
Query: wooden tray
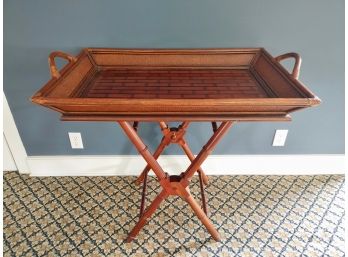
172, 85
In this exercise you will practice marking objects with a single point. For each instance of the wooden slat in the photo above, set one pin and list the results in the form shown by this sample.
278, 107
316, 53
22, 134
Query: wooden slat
171, 84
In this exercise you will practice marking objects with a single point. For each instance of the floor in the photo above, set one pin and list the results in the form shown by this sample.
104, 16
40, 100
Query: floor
255, 215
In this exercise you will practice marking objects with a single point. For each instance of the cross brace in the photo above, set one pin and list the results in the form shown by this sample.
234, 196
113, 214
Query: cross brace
175, 184
174, 135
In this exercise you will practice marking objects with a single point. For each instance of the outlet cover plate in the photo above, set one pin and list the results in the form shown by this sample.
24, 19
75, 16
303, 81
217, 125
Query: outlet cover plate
75, 140
280, 137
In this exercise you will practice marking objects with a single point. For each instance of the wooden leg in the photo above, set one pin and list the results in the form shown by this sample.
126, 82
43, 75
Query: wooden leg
157, 153
203, 217
204, 202
206, 150
142, 149
190, 155
143, 196
214, 125
147, 214
135, 125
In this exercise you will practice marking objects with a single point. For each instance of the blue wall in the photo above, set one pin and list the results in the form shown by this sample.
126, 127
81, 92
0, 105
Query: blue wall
313, 28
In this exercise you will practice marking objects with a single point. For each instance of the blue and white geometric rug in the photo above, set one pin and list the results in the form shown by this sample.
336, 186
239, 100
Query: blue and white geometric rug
255, 215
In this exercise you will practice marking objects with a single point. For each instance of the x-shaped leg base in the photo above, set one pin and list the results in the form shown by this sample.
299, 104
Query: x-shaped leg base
174, 135
174, 185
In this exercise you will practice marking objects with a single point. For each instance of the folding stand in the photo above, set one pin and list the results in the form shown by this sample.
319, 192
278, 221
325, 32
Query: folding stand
174, 184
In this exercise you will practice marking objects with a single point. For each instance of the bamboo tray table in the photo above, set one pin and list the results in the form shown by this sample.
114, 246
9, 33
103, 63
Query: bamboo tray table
220, 86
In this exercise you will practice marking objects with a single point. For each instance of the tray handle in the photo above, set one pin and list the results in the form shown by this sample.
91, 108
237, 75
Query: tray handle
52, 64
296, 70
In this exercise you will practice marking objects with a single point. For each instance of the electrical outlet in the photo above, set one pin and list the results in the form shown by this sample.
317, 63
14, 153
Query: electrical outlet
280, 137
75, 140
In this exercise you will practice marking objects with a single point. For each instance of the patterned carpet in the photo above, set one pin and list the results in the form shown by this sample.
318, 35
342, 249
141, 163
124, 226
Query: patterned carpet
255, 215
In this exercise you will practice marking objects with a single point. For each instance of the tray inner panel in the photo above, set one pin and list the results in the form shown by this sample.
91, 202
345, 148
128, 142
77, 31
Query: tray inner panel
174, 84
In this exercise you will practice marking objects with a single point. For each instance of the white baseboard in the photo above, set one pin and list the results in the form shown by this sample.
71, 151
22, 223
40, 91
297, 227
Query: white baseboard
13, 139
121, 165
